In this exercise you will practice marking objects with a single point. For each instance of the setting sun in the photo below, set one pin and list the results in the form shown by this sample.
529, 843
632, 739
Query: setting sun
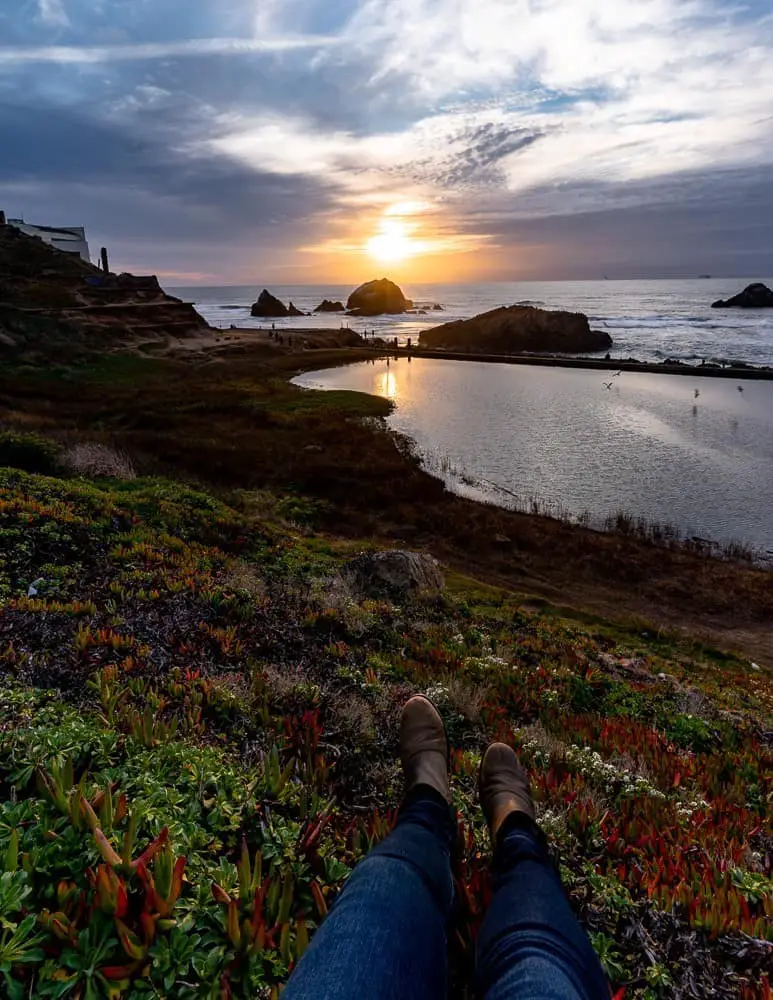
393, 244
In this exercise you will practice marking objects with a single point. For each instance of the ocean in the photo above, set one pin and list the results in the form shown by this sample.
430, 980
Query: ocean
647, 320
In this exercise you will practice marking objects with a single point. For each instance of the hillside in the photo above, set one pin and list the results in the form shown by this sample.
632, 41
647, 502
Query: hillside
191, 684
198, 707
55, 304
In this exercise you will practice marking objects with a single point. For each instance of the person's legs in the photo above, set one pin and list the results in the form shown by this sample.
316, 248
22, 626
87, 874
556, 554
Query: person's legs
531, 946
385, 937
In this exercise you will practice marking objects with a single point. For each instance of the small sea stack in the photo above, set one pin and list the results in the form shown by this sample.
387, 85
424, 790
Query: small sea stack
756, 296
268, 306
329, 306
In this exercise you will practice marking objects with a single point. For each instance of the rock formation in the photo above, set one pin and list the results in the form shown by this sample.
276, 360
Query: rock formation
328, 306
513, 329
54, 304
269, 307
393, 573
293, 311
375, 298
756, 296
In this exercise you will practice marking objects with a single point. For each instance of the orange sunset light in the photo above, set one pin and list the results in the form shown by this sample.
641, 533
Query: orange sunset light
393, 243
411, 238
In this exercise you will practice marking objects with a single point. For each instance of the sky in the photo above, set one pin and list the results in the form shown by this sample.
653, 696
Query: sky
310, 141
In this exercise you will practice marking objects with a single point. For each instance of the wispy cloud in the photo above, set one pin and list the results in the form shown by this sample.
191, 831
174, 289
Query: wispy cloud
52, 14
10, 56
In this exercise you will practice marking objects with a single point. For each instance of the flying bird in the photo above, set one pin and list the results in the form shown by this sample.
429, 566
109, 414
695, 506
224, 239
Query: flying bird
740, 388
607, 385
697, 393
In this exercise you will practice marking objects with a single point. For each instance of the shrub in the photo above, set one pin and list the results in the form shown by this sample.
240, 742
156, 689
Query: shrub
692, 733
29, 452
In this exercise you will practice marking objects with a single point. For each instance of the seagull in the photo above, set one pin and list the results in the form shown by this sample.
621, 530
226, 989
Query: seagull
607, 385
697, 393
616, 374
740, 388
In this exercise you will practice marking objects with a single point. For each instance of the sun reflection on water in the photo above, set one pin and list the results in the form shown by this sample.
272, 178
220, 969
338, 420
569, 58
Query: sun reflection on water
386, 385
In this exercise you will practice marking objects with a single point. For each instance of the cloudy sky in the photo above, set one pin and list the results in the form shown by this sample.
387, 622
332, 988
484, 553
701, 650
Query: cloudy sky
299, 141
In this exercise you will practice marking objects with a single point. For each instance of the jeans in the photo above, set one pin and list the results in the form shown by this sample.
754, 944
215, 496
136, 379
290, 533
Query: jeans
385, 937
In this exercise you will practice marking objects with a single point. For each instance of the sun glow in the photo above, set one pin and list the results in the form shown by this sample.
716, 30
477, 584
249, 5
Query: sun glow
393, 243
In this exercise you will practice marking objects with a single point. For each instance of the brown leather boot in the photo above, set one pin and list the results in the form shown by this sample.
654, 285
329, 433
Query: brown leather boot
504, 786
424, 746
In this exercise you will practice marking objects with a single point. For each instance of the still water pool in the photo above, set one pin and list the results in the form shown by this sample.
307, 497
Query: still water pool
684, 450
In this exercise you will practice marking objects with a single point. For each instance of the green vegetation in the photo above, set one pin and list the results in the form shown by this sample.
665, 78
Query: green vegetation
30, 452
198, 744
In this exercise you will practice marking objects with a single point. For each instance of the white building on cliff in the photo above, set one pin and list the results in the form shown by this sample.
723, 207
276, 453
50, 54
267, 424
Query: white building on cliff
71, 239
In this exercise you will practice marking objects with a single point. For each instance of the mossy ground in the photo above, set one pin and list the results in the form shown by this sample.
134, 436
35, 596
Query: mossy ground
183, 677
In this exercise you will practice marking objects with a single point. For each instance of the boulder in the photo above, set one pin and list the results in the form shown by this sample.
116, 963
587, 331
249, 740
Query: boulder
375, 298
393, 573
292, 311
328, 306
269, 307
513, 329
756, 296
438, 308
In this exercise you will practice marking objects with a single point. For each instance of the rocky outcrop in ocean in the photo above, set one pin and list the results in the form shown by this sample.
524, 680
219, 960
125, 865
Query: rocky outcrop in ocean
328, 306
268, 306
514, 329
756, 296
375, 298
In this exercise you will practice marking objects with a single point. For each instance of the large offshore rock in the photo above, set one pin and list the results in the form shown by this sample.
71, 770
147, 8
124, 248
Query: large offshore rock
375, 298
513, 329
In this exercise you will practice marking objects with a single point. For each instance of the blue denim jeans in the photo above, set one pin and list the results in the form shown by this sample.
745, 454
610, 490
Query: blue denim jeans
385, 938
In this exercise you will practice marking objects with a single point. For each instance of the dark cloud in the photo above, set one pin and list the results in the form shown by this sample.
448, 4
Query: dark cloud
718, 222
132, 183
475, 160
484, 147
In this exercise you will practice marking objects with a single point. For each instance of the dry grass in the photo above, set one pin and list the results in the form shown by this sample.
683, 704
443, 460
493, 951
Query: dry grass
462, 698
242, 576
95, 460
352, 719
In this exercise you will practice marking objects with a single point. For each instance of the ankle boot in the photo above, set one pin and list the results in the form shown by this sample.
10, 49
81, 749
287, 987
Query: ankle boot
504, 786
424, 746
